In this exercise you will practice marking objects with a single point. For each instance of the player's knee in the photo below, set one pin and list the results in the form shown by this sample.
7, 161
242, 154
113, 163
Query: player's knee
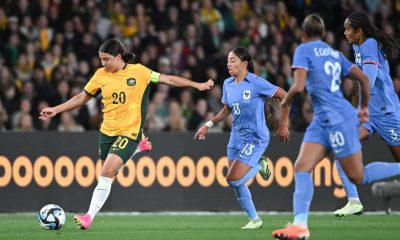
232, 177
107, 172
234, 183
356, 179
299, 166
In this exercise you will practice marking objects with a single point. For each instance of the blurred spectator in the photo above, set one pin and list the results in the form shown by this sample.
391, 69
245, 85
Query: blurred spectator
3, 117
23, 69
24, 108
10, 101
61, 95
68, 124
198, 115
187, 105
175, 121
153, 122
81, 115
214, 99
210, 15
45, 125
25, 123
300, 123
12, 49
46, 34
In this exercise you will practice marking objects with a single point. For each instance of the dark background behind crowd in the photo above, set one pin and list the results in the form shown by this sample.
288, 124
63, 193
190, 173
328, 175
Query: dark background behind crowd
48, 51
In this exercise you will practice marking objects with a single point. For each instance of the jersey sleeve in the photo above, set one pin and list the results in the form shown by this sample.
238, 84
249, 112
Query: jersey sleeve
370, 52
224, 99
346, 65
300, 59
93, 87
265, 88
370, 60
153, 76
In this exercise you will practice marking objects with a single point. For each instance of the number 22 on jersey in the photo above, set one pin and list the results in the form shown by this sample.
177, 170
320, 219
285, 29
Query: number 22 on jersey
334, 70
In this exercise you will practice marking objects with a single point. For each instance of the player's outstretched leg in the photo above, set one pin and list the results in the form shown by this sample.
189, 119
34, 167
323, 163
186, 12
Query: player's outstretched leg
291, 232
353, 206
144, 145
264, 172
304, 190
83, 222
244, 198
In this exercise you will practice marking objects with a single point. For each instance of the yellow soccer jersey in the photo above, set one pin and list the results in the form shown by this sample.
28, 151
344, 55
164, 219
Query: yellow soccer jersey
125, 95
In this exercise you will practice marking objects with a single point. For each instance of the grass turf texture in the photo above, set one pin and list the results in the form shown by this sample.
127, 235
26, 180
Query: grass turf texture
165, 227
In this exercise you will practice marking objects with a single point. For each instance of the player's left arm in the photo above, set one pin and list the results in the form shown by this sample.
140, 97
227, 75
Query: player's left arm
359, 76
370, 60
283, 130
177, 81
371, 70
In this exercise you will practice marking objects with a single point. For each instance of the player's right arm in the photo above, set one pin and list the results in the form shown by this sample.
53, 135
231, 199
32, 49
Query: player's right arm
74, 102
222, 115
349, 69
359, 76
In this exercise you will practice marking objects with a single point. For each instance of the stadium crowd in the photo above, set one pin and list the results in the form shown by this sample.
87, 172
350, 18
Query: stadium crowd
48, 51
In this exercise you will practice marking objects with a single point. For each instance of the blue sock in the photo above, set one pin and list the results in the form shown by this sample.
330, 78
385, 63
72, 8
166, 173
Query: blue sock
304, 190
349, 187
380, 170
246, 202
243, 194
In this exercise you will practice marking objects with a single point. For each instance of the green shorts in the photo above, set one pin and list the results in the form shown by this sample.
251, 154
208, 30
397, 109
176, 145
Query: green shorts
122, 146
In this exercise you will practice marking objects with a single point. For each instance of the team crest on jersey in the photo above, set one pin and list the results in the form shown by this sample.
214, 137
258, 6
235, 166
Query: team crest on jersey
358, 58
131, 82
246, 94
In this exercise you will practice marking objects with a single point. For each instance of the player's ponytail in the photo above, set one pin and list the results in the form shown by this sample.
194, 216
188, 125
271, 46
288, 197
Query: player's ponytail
244, 55
387, 44
115, 47
128, 57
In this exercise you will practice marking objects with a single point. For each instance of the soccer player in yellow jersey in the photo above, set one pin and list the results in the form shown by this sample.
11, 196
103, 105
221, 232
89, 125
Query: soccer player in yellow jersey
125, 89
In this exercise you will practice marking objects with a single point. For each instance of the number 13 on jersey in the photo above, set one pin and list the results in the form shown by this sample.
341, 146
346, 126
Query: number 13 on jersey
236, 109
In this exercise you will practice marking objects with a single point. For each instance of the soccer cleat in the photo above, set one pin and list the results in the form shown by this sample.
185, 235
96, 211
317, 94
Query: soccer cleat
291, 232
349, 209
145, 145
264, 172
83, 222
253, 224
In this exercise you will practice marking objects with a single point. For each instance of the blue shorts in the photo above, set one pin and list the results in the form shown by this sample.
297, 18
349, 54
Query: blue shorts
342, 138
386, 125
247, 152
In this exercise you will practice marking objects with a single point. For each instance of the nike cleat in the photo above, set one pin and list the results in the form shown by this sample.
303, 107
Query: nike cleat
349, 209
291, 232
264, 172
83, 222
253, 224
145, 145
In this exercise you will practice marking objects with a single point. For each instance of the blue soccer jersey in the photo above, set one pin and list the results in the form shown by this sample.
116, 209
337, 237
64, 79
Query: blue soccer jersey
325, 67
383, 98
246, 102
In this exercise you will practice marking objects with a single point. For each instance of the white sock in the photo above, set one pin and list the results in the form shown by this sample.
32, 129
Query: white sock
100, 195
354, 201
136, 152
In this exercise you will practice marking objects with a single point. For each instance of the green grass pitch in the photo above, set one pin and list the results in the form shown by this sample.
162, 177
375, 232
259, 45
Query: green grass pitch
199, 227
